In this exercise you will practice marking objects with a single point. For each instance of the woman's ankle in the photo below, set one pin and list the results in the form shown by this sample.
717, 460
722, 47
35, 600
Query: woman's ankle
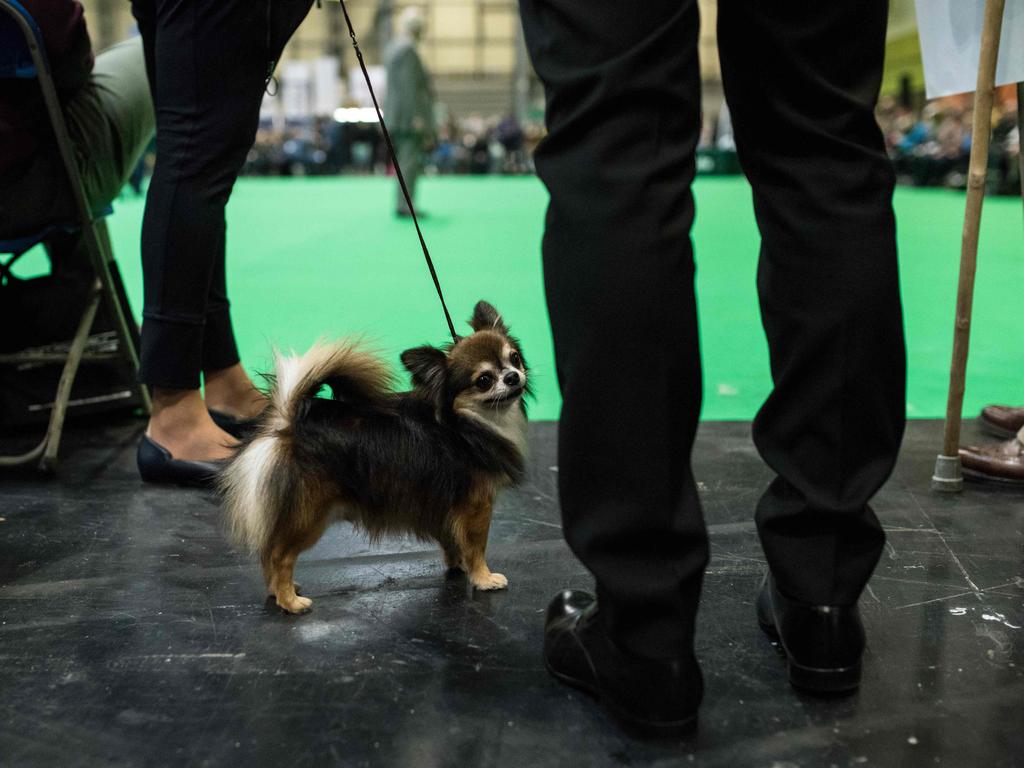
177, 409
231, 391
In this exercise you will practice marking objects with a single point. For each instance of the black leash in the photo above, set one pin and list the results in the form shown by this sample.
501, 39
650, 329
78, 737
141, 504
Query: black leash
398, 172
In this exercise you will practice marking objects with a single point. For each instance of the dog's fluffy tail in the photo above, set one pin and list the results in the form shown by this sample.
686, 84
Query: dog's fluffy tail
263, 483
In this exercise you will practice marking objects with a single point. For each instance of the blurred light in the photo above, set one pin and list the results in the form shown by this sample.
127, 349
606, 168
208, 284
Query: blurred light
355, 115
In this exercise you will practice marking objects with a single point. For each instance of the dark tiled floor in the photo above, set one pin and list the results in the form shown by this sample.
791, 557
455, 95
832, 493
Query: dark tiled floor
132, 634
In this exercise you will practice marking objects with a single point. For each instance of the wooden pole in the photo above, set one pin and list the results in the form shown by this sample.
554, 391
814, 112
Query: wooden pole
1020, 136
947, 475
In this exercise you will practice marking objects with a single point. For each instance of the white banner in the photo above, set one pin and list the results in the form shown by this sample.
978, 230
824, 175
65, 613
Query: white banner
326, 86
297, 89
357, 90
950, 33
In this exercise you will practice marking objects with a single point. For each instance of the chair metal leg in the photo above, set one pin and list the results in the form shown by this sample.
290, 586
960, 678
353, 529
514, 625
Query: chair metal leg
103, 235
97, 241
25, 458
46, 450
48, 462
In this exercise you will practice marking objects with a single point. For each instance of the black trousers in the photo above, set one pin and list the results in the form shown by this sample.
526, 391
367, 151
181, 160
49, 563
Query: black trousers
208, 64
623, 114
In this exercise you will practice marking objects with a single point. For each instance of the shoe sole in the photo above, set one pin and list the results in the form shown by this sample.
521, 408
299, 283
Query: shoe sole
984, 477
995, 430
633, 725
158, 479
831, 681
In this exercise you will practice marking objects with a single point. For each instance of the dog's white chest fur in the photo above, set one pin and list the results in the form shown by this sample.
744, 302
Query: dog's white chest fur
509, 423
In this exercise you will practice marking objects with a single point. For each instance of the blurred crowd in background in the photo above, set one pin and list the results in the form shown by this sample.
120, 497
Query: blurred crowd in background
929, 146
473, 145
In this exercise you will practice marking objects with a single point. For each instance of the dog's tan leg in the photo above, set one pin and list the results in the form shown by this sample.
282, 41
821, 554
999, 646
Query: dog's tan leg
282, 585
283, 554
265, 564
452, 552
471, 531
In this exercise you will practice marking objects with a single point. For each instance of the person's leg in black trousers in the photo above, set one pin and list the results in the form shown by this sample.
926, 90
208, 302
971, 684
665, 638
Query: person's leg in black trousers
802, 80
208, 64
623, 116
802, 87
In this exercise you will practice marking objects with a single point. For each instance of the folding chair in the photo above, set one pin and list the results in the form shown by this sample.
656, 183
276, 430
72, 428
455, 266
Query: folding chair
23, 55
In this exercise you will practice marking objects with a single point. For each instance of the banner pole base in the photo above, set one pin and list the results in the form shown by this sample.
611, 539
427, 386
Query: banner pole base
947, 477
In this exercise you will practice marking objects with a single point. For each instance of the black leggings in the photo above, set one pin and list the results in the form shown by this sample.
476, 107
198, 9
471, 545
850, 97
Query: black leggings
207, 65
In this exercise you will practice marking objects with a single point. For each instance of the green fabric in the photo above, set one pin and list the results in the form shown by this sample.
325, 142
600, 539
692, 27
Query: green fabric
314, 257
110, 120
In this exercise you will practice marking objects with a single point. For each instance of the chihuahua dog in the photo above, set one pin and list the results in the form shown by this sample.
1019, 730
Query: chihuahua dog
427, 462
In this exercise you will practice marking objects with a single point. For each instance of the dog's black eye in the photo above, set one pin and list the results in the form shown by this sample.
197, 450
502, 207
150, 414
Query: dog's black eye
515, 359
484, 381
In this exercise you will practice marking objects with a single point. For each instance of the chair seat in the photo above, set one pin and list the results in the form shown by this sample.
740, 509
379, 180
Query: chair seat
20, 244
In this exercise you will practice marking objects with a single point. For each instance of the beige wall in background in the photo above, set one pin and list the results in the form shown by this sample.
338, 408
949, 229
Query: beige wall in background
709, 68
466, 40
109, 21
902, 18
464, 37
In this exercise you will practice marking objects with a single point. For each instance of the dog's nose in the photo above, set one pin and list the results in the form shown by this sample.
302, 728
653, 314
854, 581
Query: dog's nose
512, 379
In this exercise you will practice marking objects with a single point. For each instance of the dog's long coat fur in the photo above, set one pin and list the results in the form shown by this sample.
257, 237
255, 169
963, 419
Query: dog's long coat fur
387, 462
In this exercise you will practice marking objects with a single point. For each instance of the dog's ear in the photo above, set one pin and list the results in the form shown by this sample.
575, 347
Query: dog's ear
486, 317
426, 364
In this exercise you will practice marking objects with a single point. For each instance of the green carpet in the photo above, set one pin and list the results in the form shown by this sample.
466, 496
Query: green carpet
324, 257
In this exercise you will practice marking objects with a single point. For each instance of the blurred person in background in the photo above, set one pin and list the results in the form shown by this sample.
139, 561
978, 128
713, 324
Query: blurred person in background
409, 104
510, 135
1005, 150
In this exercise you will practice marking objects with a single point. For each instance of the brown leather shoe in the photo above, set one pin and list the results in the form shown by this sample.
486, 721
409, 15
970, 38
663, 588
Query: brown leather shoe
1000, 462
1001, 420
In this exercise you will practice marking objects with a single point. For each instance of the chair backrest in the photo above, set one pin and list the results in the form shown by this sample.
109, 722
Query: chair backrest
15, 55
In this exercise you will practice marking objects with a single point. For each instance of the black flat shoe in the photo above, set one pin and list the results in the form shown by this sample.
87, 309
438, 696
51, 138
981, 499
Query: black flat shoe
156, 465
647, 697
240, 428
823, 643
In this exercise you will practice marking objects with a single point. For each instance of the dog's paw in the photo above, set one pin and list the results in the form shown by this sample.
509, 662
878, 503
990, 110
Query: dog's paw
490, 581
298, 590
295, 605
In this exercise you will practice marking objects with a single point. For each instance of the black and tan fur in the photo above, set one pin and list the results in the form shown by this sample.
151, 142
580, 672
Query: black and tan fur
427, 462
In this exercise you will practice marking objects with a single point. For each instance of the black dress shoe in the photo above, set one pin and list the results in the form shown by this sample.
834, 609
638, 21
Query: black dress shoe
156, 465
647, 697
998, 462
823, 643
240, 428
1003, 421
